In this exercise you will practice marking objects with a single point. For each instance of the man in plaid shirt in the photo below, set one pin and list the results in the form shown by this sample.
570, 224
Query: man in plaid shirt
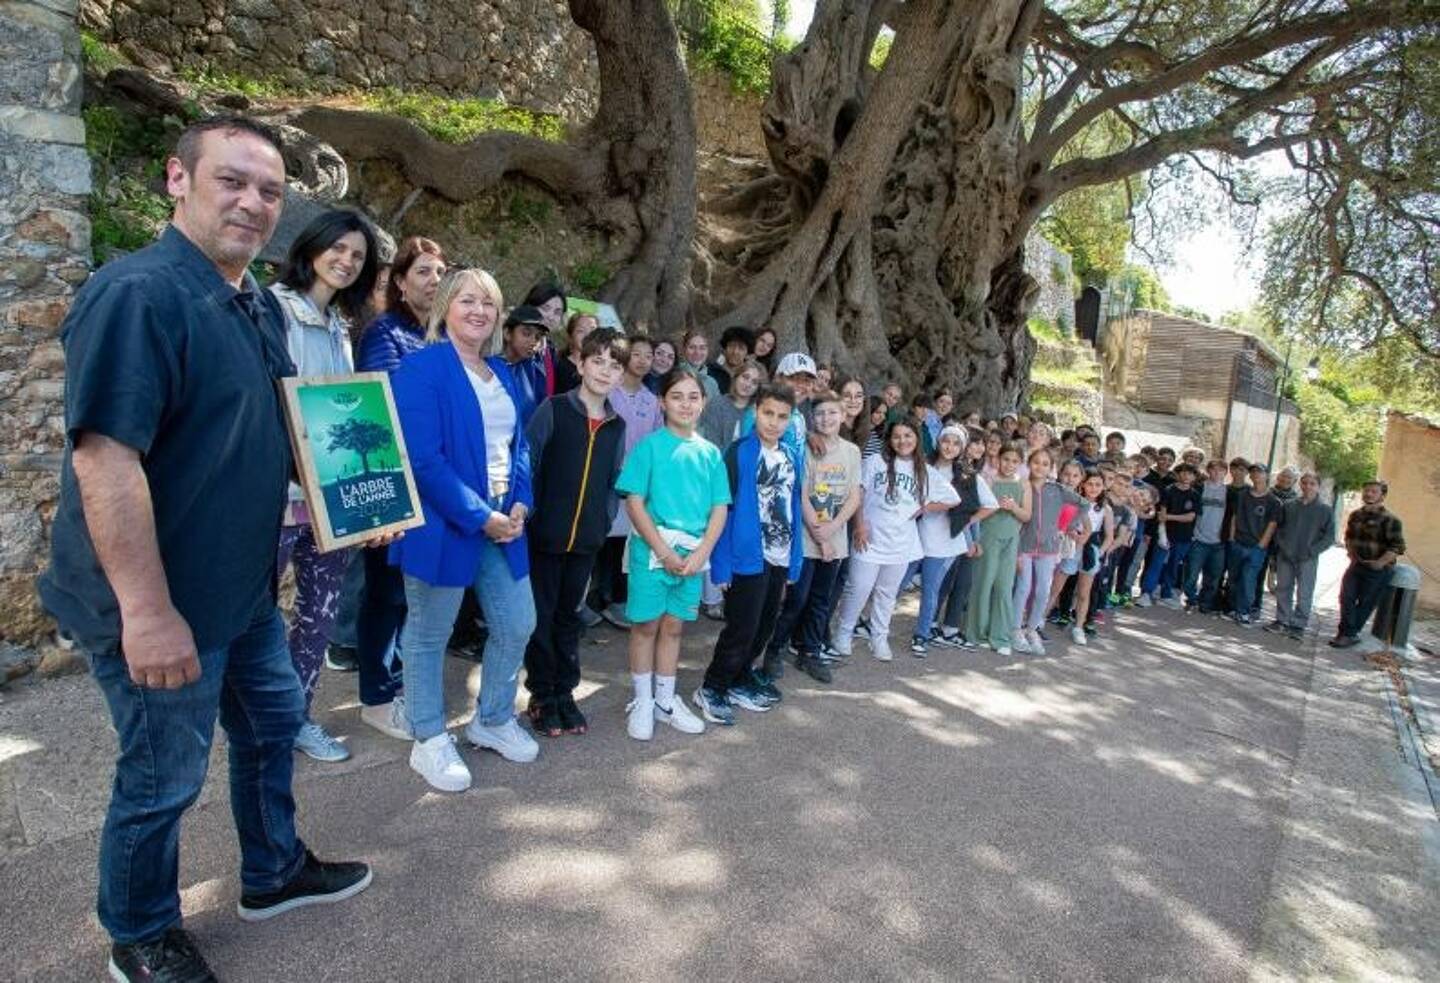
1374, 541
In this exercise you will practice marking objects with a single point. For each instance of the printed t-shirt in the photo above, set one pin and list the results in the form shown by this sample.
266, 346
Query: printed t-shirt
498, 410
830, 478
890, 516
1252, 514
775, 485
680, 480
1181, 501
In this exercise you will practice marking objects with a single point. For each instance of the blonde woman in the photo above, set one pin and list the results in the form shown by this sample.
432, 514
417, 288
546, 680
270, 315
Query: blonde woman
460, 409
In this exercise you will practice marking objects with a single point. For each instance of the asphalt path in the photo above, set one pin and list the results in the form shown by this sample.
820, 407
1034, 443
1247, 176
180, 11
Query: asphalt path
1108, 812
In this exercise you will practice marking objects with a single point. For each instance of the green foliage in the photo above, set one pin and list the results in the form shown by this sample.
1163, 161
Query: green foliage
459, 120
100, 56
1340, 430
1042, 330
728, 36
213, 81
528, 210
589, 276
1093, 226
127, 156
878, 54
1143, 287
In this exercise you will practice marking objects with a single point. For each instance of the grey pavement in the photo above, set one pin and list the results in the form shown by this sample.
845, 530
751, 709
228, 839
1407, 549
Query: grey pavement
1180, 800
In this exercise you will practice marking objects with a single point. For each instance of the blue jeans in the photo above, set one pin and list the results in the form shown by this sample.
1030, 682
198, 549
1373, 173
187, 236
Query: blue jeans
1166, 570
164, 737
509, 610
1245, 563
1207, 560
932, 577
1150, 579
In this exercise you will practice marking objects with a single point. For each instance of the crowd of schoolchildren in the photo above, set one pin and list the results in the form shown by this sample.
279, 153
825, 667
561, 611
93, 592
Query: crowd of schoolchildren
571, 474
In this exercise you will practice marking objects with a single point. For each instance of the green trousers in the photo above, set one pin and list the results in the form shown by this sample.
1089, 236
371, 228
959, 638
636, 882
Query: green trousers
991, 617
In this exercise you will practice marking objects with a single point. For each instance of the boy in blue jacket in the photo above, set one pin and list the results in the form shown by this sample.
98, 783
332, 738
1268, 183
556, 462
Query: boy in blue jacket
576, 443
758, 553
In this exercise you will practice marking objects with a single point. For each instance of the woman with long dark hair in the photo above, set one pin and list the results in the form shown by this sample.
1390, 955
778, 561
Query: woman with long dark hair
326, 279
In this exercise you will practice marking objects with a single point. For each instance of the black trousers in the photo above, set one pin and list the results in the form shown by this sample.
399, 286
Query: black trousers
955, 592
752, 604
377, 628
607, 583
1360, 591
552, 657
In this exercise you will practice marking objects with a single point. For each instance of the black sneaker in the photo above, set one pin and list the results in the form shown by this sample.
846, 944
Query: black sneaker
341, 658
1344, 642
316, 883
773, 665
828, 654
171, 958
572, 721
1295, 634
764, 684
1277, 627
918, 646
862, 629
545, 718
814, 668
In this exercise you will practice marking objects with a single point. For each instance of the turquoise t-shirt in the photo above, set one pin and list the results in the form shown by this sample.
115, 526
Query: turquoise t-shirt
680, 481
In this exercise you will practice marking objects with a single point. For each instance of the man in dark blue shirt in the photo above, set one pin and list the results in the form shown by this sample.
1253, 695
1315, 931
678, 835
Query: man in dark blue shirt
163, 558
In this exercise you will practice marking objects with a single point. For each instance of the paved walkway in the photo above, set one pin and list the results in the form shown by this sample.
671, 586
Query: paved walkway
1182, 799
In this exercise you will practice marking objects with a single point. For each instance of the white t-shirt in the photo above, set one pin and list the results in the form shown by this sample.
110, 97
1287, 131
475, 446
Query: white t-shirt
935, 538
498, 409
890, 518
775, 485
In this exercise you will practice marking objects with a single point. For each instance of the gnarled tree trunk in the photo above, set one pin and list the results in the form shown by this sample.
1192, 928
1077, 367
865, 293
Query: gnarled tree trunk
630, 171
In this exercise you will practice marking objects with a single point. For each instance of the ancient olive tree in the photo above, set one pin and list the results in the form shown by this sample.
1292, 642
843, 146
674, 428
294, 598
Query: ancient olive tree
932, 285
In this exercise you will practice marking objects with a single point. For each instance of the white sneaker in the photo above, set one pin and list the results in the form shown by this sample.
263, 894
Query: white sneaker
317, 742
1173, 603
1021, 643
1077, 635
439, 763
390, 719
509, 740
842, 644
680, 717
1144, 601
1037, 644
641, 722
880, 648
1004, 650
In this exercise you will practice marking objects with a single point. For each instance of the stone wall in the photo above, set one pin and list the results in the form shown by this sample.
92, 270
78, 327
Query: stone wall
531, 54
1052, 270
726, 121
44, 255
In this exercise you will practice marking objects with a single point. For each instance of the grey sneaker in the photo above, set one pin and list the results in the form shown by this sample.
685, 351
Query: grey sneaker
390, 719
509, 740
588, 617
314, 741
615, 614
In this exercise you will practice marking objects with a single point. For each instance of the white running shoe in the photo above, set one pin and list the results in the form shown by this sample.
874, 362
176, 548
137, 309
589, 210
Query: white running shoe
1173, 603
1021, 643
509, 740
1005, 651
439, 763
641, 722
1144, 601
880, 648
390, 719
1037, 644
680, 717
843, 645
1077, 635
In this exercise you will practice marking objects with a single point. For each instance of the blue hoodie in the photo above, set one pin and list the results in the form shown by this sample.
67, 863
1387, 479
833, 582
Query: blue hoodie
739, 549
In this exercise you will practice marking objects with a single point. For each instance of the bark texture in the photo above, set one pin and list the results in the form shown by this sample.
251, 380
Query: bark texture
630, 172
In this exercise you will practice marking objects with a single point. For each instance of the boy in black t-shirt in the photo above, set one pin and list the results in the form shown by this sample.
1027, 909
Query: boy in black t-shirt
1180, 507
1256, 515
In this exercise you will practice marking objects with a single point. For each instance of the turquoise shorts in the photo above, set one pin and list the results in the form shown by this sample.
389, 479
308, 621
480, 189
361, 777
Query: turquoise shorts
655, 592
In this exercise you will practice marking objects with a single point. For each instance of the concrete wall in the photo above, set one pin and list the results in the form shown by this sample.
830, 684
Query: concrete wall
1410, 464
530, 53
1249, 435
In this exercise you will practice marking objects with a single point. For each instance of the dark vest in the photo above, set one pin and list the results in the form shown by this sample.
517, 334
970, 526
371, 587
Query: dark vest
577, 474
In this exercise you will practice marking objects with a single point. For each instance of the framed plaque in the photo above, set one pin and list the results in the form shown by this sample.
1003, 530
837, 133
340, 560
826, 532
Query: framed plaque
350, 456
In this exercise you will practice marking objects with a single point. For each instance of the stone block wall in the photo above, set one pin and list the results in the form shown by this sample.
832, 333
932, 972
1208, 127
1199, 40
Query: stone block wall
531, 53
1051, 268
44, 256
726, 121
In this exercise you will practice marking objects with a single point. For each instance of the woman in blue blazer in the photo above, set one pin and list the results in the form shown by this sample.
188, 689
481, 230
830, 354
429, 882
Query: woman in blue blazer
458, 406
